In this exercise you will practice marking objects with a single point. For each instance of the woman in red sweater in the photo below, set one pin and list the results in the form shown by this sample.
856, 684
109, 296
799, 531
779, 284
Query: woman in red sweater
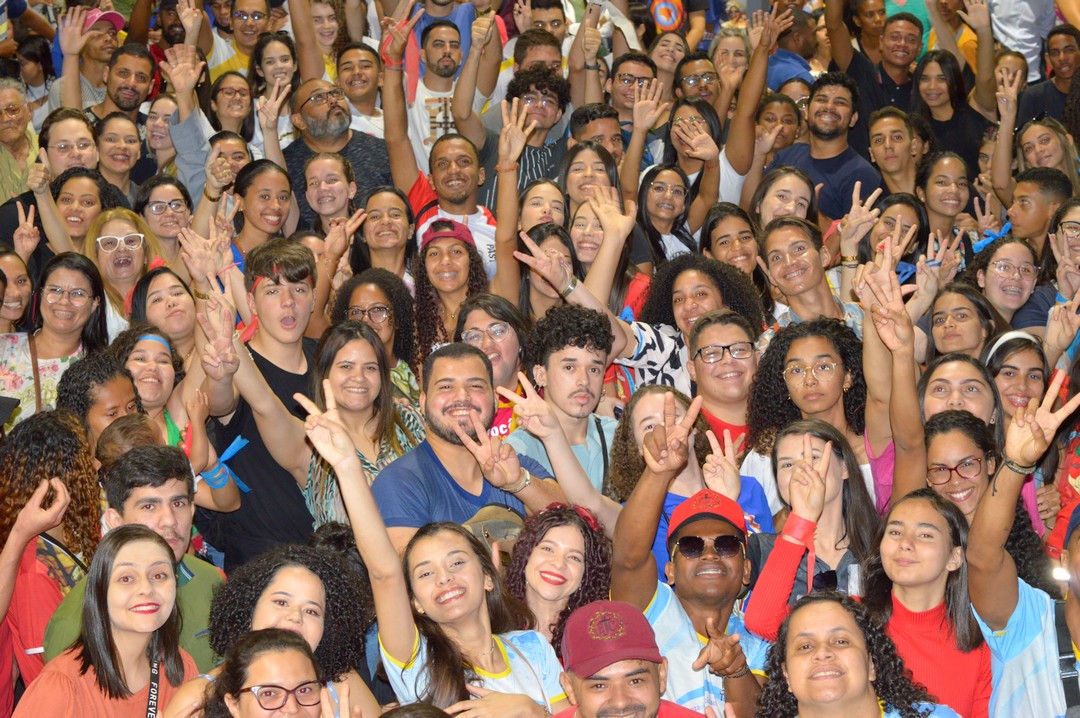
916, 585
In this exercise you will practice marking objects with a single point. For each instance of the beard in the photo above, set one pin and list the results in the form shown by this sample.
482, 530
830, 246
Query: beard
444, 429
335, 124
444, 71
125, 104
175, 34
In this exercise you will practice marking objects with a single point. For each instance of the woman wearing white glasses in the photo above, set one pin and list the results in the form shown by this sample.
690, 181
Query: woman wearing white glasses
123, 249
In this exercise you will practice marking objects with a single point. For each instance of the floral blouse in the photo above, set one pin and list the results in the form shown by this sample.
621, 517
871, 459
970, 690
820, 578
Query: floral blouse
17, 376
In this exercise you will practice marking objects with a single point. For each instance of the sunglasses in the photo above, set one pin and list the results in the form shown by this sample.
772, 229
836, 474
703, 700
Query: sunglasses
693, 546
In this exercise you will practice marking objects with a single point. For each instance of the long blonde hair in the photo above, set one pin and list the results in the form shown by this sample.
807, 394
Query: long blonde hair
1068, 149
151, 249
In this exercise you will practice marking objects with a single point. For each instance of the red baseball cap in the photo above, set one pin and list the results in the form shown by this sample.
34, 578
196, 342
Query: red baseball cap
605, 632
458, 231
706, 504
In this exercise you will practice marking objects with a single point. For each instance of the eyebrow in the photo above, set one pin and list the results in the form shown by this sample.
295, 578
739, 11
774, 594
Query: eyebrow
918, 524
455, 551
819, 356
631, 674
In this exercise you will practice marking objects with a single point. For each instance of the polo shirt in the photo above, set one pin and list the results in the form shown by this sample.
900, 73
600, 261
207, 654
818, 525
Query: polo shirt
876, 90
785, 65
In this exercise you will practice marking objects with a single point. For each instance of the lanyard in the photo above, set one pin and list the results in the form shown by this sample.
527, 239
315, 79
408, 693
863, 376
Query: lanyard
152, 698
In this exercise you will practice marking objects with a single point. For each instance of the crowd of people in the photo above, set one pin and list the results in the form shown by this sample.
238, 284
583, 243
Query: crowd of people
432, 358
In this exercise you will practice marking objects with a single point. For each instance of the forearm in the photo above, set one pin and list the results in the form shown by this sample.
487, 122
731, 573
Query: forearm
877, 368
319, 321
70, 89
708, 195
638, 522
582, 297
753, 178
56, 231
768, 607
490, 62
10, 558
355, 19
742, 694
594, 88
696, 31
507, 280
905, 422
575, 483
403, 167
204, 212
307, 50
1001, 161
139, 23
631, 164
539, 494
601, 275
466, 121
985, 82
839, 36
39, 25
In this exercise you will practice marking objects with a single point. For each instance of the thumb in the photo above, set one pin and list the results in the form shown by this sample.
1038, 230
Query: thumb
44, 159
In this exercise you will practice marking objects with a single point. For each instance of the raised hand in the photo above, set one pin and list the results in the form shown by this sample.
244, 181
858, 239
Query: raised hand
72, 37
1008, 91
1068, 268
986, 220
199, 255
648, 108
398, 33
666, 447
773, 25
269, 108
219, 359
325, 430
498, 461
37, 516
197, 408
533, 413
191, 18
26, 236
548, 266
731, 76
859, 220
721, 469
977, 15
700, 145
523, 14
481, 32
341, 232
182, 68
880, 294
1028, 436
1063, 323
765, 140
806, 487
590, 44
755, 28
722, 654
345, 708
616, 222
219, 173
515, 133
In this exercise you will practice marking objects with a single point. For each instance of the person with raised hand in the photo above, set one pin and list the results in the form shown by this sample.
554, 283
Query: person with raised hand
648, 108
1016, 619
707, 571
35, 517
446, 621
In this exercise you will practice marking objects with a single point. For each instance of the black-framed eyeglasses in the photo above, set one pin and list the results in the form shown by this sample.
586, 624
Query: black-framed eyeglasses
715, 352
244, 16
1070, 230
497, 331
159, 207
725, 546
376, 314
705, 78
321, 98
271, 698
966, 469
626, 79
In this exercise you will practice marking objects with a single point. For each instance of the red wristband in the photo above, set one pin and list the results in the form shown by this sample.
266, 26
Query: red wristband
802, 530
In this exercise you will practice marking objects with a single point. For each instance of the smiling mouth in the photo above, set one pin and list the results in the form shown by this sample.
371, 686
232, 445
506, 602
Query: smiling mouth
958, 497
451, 595
553, 578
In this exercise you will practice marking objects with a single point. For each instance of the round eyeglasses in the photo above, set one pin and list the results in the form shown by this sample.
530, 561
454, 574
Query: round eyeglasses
108, 243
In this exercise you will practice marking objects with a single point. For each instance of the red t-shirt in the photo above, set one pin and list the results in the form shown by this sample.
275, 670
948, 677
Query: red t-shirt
667, 710
718, 426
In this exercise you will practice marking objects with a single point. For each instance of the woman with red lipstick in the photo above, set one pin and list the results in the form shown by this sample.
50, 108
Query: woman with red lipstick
127, 658
561, 561
448, 627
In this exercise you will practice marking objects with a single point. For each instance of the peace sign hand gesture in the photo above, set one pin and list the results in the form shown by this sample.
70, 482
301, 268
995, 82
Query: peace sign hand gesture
396, 34
806, 487
1030, 432
534, 414
269, 108
548, 266
666, 447
26, 237
498, 461
859, 220
721, 469
325, 430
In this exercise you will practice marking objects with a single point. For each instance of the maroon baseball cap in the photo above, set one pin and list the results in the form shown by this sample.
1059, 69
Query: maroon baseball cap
605, 632
706, 504
458, 231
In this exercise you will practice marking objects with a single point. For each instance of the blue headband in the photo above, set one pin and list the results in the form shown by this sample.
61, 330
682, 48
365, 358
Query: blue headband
156, 338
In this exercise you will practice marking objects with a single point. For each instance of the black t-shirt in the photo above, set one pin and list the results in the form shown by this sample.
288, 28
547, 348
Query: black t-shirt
1042, 97
274, 512
876, 90
962, 134
371, 165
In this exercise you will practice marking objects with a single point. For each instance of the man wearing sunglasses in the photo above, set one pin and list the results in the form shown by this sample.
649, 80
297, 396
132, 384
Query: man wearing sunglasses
706, 572
570, 348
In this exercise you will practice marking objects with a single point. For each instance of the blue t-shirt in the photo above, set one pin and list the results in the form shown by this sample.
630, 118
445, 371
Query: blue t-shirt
1024, 659
752, 499
785, 65
591, 454
838, 175
462, 15
416, 489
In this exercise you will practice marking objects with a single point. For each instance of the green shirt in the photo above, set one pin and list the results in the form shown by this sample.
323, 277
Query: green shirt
196, 580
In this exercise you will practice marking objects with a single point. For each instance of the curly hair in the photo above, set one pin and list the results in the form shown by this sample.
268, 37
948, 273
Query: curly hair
77, 389
125, 342
446, 669
596, 579
627, 463
46, 445
429, 325
892, 682
770, 407
736, 290
350, 610
981, 261
567, 325
401, 308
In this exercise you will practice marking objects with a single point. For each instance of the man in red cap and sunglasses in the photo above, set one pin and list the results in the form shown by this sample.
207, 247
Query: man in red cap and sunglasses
613, 665
712, 659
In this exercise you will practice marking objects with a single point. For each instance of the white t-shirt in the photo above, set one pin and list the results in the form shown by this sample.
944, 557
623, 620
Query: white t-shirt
430, 117
532, 669
760, 467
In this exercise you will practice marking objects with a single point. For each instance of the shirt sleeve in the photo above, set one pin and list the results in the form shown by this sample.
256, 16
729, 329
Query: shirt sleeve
16, 8
400, 498
768, 607
52, 694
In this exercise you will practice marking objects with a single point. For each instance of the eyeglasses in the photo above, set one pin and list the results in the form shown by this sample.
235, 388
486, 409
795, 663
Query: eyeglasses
661, 188
272, 698
376, 314
705, 78
497, 331
802, 103
692, 119
966, 469
321, 98
715, 352
12, 112
231, 92
108, 243
693, 546
1009, 270
822, 371
1071, 230
65, 148
159, 207
626, 79
244, 16
545, 102
52, 294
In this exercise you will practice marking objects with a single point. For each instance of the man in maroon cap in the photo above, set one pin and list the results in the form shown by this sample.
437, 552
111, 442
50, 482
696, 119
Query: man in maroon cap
613, 666
712, 658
